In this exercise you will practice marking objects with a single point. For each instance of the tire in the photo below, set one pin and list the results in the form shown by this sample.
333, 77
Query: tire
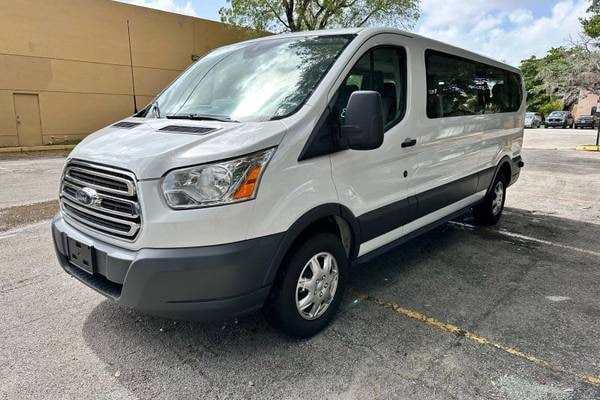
281, 309
489, 211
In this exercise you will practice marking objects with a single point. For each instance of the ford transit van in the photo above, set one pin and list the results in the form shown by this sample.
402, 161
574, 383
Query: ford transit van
270, 166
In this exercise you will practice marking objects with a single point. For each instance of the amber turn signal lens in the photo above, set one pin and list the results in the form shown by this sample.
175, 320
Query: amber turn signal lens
247, 187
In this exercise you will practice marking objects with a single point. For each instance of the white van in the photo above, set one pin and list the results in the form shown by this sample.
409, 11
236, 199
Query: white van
270, 166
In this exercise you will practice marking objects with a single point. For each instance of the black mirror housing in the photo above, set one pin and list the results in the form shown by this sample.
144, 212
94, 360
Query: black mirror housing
363, 129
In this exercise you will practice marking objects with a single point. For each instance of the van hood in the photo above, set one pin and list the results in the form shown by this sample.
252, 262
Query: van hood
154, 146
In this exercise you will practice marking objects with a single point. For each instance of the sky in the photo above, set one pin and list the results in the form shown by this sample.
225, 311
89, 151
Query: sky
507, 30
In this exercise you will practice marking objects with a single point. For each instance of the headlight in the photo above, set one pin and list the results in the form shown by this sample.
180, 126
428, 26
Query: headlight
215, 184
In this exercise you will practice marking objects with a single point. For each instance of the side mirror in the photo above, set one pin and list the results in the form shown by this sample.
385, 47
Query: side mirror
363, 129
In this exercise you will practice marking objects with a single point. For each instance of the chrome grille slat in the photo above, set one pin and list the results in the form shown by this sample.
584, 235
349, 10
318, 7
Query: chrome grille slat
133, 226
114, 209
97, 208
94, 184
132, 204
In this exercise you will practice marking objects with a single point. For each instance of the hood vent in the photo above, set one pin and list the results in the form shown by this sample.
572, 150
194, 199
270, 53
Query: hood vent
196, 130
126, 125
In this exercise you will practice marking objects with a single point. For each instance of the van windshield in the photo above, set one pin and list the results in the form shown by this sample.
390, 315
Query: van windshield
256, 81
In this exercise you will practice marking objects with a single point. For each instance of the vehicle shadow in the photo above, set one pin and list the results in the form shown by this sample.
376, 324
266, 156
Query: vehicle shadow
472, 277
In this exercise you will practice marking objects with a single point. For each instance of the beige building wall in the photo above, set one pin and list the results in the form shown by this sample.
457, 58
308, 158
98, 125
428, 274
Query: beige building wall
585, 103
69, 67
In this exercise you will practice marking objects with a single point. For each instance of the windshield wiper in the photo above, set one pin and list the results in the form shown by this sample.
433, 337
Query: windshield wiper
201, 117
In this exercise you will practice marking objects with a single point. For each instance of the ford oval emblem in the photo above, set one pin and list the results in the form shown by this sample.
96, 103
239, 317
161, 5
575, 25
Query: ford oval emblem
87, 196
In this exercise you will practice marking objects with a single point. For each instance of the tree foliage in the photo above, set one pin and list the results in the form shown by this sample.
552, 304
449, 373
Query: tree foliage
566, 72
299, 15
538, 99
591, 25
553, 104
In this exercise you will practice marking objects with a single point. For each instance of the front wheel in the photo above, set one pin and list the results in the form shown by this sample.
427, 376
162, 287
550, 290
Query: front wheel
308, 291
489, 211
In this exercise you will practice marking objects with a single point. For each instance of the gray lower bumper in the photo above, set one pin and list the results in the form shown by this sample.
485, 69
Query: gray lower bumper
212, 282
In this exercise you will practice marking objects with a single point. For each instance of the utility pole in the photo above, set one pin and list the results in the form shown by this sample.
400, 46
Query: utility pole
598, 131
597, 115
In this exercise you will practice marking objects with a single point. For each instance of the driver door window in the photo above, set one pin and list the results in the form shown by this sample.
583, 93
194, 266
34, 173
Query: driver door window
382, 69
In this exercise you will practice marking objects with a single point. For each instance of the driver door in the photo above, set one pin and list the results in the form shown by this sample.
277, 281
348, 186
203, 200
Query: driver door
375, 184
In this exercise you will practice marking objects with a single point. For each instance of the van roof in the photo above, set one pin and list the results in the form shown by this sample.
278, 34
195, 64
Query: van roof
375, 30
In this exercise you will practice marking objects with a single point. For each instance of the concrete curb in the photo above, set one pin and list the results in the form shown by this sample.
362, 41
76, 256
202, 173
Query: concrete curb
36, 148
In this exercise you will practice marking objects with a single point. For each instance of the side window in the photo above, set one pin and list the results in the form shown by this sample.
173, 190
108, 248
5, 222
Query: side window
515, 91
452, 87
457, 86
357, 79
382, 69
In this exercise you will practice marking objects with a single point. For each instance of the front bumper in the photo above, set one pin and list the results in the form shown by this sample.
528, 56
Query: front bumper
555, 123
199, 283
585, 124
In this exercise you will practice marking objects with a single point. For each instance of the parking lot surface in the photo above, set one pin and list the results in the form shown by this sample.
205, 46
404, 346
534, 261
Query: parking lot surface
463, 312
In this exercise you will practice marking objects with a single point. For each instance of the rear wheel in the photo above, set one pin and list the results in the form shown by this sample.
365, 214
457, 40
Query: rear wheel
489, 211
308, 291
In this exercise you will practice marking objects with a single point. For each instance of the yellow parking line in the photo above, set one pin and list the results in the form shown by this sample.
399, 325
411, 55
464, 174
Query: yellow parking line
456, 330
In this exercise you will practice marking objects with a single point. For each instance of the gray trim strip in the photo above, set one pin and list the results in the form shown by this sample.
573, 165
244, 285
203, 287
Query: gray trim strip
385, 219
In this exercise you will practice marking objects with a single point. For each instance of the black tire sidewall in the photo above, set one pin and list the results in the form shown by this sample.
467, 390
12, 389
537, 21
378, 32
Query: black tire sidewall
483, 212
282, 310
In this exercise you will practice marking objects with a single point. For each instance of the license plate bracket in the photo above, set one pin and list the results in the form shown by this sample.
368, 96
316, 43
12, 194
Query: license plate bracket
81, 255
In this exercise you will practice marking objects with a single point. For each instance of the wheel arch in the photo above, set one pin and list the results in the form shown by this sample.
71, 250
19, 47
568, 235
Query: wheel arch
505, 167
331, 217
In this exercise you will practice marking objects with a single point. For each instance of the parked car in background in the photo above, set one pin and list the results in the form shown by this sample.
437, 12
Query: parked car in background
563, 119
533, 120
586, 121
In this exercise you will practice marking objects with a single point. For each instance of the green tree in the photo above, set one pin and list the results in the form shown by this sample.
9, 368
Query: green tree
591, 25
566, 72
299, 15
553, 104
556, 71
537, 97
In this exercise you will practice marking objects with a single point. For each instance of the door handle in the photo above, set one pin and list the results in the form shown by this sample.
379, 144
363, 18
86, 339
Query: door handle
409, 142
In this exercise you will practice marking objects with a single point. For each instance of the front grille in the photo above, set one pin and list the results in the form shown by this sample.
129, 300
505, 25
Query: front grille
101, 198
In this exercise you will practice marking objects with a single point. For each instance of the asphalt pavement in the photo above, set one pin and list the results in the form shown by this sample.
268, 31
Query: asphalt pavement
509, 312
